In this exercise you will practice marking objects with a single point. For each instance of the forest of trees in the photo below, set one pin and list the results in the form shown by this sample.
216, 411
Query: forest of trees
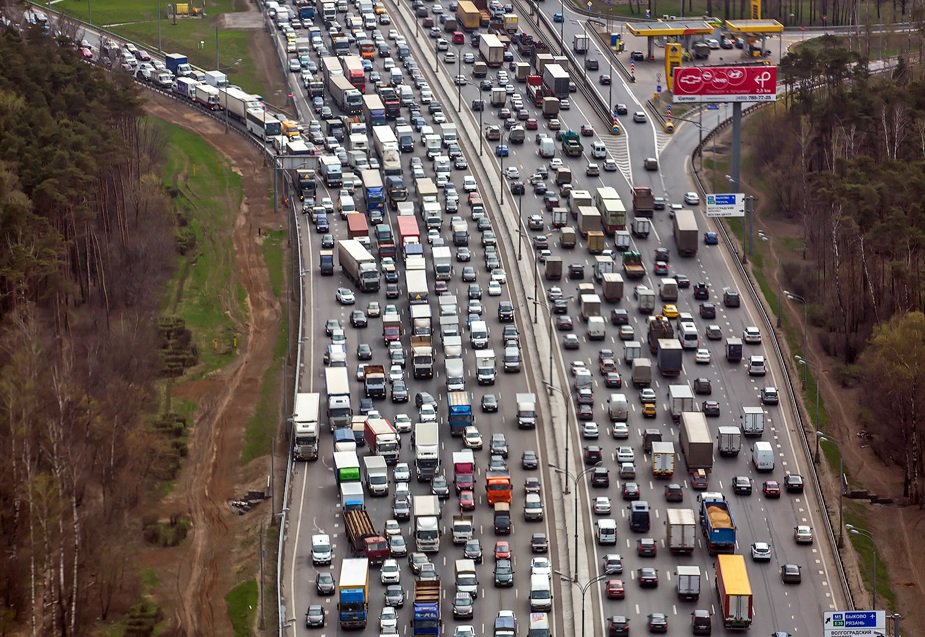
88, 239
844, 155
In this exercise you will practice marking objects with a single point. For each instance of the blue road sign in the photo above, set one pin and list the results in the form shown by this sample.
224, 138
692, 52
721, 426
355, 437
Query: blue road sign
658, 88
712, 107
853, 619
725, 200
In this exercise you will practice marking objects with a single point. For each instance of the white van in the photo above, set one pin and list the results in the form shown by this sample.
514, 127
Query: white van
598, 150
763, 456
597, 328
618, 408
533, 507
539, 625
547, 148
479, 334
347, 205
688, 336
466, 579
540, 594
395, 77
606, 531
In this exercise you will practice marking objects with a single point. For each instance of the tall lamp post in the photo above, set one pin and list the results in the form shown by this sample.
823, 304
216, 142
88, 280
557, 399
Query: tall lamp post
520, 226
458, 75
873, 549
801, 300
841, 486
575, 480
583, 588
562, 28
553, 388
805, 363
481, 128
501, 176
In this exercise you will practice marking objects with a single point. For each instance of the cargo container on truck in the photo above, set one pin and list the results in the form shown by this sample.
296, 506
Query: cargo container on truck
696, 441
455, 374
555, 81
344, 439
735, 592
443, 263
580, 43
353, 593
460, 414
728, 441
426, 440
208, 96
374, 381
588, 219
359, 265
386, 145
352, 496
416, 281
567, 238
670, 357
425, 616
685, 233
373, 190
237, 102
752, 421
663, 459
688, 578
337, 385
719, 529
357, 228
467, 15
178, 64
681, 528
521, 71
376, 475
613, 287
426, 512
382, 439
346, 467
552, 269
603, 264
306, 426
526, 411
421, 321
491, 50
643, 201
680, 399
485, 366
590, 305
463, 470
642, 372
658, 328
364, 539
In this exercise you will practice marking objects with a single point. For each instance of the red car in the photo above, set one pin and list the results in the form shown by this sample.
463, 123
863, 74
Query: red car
502, 550
532, 124
587, 130
771, 489
615, 589
466, 500
458, 37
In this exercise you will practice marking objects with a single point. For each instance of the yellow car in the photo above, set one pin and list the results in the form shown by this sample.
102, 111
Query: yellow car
648, 410
670, 311
379, 8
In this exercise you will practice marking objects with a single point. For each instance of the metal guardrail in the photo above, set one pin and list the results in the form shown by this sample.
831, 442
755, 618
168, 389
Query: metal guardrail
778, 351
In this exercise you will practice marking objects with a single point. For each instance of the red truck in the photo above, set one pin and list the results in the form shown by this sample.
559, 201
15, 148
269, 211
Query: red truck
408, 231
357, 227
535, 89
464, 470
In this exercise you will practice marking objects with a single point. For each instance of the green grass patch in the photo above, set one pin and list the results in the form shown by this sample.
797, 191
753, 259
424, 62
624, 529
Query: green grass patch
204, 290
792, 244
260, 428
149, 579
242, 607
138, 21
865, 548
273, 254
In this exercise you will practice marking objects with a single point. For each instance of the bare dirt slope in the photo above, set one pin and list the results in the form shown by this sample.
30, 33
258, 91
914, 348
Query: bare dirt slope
227, 399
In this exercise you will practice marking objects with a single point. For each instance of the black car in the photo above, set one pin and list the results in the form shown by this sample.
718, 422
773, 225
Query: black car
489, 403
701, 622
621, 109
314, 616
539, 543
710, 408
423, 398
618, 626
498, 445
327, 241
703, 386
630, 491
731, 298
662, 254
683, 281
612, 380
619, 316
604, 80
358, 318
791, 574
529, 460
364, 352
504, 573
324, 583
473, 551
647, 577
439, 487
506, 312
559, 306
518, 188
637, 56
793, 483
658, 623
742, 485
707, 311
674, 492
592, 64
576, 271
701, 291
600, 477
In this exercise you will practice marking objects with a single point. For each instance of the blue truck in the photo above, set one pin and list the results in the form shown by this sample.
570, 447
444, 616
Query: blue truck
460, 411
373, 190
307, 12
425, 620
178, 64
353, 593
719, 527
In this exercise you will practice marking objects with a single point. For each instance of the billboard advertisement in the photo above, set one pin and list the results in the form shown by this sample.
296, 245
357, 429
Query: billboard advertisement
725, 84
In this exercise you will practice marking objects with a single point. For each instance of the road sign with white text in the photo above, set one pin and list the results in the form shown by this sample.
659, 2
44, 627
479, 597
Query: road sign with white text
726, 205
855, 623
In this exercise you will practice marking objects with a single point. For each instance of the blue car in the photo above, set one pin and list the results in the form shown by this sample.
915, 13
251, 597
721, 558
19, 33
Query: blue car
501, 150
557, 17
710, 238
367, 65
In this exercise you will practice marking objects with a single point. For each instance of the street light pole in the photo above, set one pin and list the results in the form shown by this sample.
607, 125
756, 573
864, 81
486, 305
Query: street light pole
562, 28
575, 479
806, 363
583, 589
873, 549
481, 129
520, 226
458, 74
501, 176
802, 300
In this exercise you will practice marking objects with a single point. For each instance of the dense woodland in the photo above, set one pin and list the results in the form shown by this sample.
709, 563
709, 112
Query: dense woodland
88, 242
844, 155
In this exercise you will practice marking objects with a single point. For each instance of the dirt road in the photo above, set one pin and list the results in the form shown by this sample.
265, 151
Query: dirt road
227, 399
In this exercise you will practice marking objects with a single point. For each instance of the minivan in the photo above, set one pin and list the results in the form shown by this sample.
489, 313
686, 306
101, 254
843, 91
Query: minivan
540, 593
618, 408
479, 335
539, 625
606, 531
598, 150
687, 335
639, 516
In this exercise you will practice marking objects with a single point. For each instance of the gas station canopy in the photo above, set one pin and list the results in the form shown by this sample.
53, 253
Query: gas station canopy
675, 28
754, 27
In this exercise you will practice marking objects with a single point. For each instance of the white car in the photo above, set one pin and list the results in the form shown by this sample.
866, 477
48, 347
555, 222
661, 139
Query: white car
499, 275
468, 58
393, 34
577, 366
392, 528
540, 566
458, 80
626, 454
401, 472
390, 573
428, 413
590, 431
472, 439
555, 164
602, 505
512, 173
620, 430
469, 184
464, 631
692, 199
388, 621
345, 296
494, 288
439, 117
432, 234
803, 534
639, 117
761, 552
703, 356
402, 423
395, 373
751, 335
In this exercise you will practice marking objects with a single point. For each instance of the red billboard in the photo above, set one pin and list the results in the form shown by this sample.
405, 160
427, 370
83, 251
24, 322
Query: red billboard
725, 84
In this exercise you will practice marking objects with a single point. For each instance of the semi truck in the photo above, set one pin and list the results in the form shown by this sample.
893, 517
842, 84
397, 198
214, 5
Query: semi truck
485, 366
463, 470
681, 529
719, 528
386, 145
382, 439
425, 616
357, 227
526, 411
670, 357
416, 281
696, 441
207, 96
373, 190
426, 450
374, 381
555, 81
685, 233
459, 405
408, 233
467, 15
422, 355
643, 201
353, 593
376, 475
688, 578
633, 267
728, 441
359, 265
346, 467
237, 102
734, 591
663, 459
306, 426
491, 50
364, 539
337, 384
427, 513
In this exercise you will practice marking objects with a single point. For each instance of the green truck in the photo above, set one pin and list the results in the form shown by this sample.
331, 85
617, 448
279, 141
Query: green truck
571, 144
